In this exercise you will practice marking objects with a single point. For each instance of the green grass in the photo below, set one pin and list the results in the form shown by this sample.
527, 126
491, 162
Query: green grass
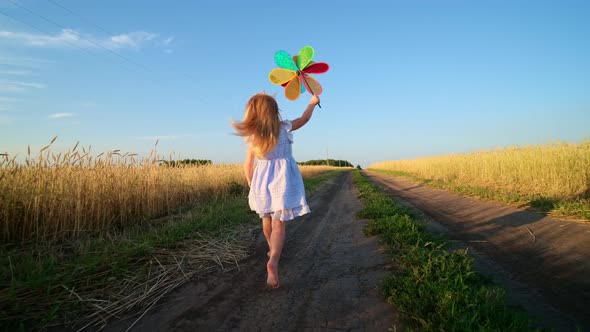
434, 287
577, 208
92, 264
313, 184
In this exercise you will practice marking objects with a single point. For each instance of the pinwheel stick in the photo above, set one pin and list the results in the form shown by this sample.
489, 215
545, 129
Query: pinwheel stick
308, 86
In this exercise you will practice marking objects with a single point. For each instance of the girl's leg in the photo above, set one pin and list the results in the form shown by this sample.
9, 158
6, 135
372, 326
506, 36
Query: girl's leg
277, 240
267, 229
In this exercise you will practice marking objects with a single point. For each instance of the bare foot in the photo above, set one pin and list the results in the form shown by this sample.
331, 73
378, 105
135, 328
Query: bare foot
273, 276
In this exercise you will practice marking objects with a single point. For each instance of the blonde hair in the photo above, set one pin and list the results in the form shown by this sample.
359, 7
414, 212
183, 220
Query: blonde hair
261, 124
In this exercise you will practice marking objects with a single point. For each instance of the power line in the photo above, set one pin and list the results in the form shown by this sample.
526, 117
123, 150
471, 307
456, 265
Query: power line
46, 32
103, 29
43, 31
192, 78
81, 17
77, 34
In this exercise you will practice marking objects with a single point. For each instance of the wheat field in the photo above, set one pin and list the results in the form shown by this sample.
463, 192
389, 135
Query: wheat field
554, 170
65, 195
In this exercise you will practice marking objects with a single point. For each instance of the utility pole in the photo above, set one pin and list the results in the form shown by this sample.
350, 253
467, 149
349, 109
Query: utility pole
327, 159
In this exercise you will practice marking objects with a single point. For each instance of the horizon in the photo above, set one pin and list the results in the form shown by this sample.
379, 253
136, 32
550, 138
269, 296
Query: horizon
406, 79
21, 157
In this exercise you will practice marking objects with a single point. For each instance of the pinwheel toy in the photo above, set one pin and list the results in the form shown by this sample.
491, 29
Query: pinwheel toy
293, 73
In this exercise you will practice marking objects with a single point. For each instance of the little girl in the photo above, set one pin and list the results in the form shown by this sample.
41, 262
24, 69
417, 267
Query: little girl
276, 186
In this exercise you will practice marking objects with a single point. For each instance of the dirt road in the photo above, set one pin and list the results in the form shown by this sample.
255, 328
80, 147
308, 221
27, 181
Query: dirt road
330, 270
329, 273
544, 263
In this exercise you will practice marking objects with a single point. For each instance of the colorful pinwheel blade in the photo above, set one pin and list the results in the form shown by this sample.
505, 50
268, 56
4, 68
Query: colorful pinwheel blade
281, 75
304, 57
284, 60
302, 85
317, 68
311, 85
293, 89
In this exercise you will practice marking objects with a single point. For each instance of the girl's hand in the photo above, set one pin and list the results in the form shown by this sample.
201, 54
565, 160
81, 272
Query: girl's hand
314, 100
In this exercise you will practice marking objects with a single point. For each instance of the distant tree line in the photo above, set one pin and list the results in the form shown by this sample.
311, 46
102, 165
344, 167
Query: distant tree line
196, 162
327, 162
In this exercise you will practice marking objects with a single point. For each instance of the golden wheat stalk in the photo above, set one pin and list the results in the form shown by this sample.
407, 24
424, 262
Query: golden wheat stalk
556, 170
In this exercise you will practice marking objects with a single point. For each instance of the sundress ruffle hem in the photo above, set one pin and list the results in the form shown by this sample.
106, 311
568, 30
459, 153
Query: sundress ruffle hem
288, 214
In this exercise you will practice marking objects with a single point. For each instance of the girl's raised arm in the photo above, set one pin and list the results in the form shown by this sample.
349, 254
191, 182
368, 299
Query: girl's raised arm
301, 121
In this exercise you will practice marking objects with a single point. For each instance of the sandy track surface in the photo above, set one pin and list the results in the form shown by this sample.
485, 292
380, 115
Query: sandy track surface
544, 263
329, 273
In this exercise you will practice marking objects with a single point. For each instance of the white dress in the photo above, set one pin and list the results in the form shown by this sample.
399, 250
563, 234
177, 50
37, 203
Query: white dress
277, 187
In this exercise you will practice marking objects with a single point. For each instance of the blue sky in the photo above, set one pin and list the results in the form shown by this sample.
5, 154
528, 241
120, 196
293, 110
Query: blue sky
407, 78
